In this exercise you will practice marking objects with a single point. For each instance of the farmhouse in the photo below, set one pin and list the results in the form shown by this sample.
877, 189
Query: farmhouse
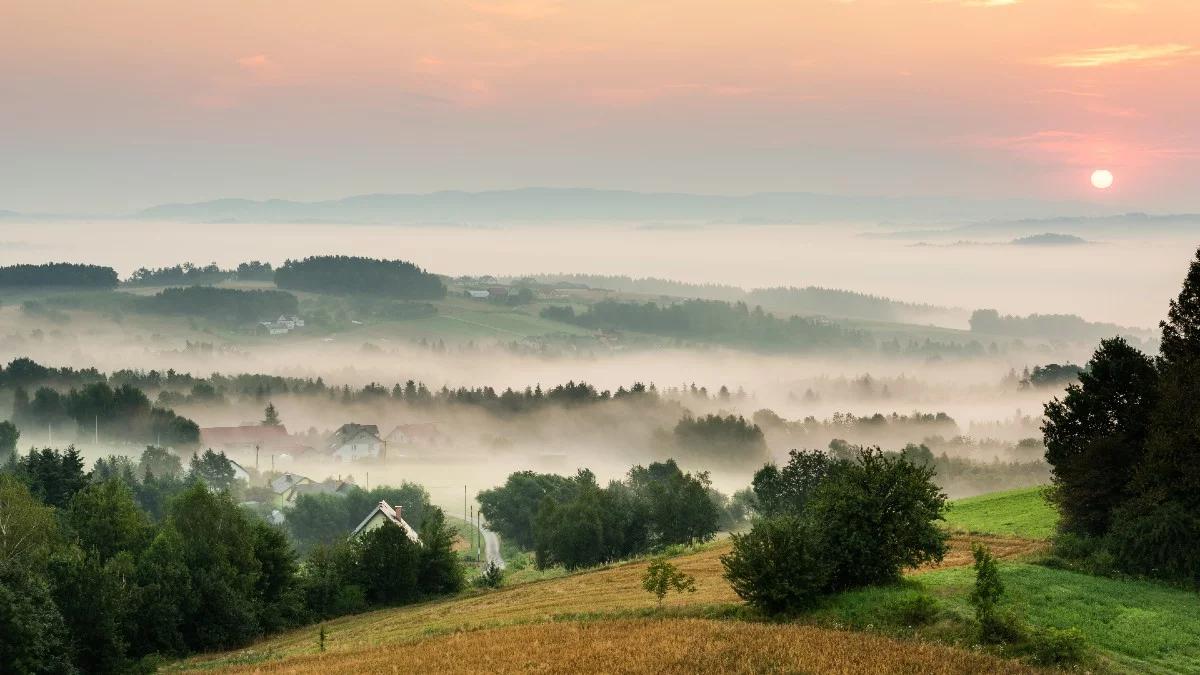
356, 441
414, 435
384, 514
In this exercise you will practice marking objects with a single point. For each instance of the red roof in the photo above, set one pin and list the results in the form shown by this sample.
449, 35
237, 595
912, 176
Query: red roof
244, 435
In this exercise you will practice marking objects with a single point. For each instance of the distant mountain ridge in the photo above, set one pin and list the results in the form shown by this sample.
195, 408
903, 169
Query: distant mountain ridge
537, 205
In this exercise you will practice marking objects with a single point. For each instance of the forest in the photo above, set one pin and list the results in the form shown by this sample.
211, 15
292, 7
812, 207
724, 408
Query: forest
356, 275
67, 275
105, 571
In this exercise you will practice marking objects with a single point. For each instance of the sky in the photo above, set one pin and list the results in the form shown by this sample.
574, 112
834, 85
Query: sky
108, 105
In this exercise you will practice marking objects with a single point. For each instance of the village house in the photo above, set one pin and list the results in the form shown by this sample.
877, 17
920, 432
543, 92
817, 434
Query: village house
384, 514
421, 435
353, 442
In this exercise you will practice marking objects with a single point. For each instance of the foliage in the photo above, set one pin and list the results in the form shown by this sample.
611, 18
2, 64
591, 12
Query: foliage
52, 475
58, 274
160, 462
229, 305
1096, 435
995, 627
777, 567
8, 440
714, 321
877, 516
1131, 417
1057, 647
27, 526
835, 524
106, 520
355, 275
788, 490
325, 519
33, 637
214, 468
578, 523
270, 416
661, 577
727, 441
510, 509
183, 274
919, 609
441, 570
490, 577
388, 565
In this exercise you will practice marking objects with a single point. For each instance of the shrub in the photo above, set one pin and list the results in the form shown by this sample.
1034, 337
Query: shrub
916, 610
996, 625
491, 577
1057, 647
776, 567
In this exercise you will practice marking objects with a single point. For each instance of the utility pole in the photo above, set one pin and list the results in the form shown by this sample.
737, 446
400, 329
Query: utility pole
256, 458
272, 463
470, 522
50, 435
97, 430
368, 487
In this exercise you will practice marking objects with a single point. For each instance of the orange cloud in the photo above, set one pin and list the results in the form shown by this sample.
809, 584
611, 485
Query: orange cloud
1111, 56
255, 62
519, 9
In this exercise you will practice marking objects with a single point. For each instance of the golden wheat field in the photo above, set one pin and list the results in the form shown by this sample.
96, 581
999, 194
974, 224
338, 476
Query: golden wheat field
649, 646
613, 591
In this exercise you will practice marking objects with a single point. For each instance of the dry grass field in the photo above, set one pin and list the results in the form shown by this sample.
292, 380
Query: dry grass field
649, 646
615, 591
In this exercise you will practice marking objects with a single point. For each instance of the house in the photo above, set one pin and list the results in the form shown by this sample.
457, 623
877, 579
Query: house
478, 295
290, 322
285, 482
384, 514
239, 472
497, 292
330, 486
412, 435
356, 441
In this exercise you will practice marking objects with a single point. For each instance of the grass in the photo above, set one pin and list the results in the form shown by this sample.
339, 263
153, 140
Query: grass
1134, 626
1014, 513
661, 646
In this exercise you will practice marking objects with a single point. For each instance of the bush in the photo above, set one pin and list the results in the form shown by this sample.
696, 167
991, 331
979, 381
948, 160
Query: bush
777, 567
996, 625
491, 577
1057, 647
916, 610
875, 517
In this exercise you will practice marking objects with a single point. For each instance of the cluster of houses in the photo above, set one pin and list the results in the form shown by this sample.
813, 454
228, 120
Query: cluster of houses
281, 326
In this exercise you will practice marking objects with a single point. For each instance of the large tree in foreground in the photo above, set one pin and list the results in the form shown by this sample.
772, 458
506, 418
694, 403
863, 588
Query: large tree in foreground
1158, 531
1096, 435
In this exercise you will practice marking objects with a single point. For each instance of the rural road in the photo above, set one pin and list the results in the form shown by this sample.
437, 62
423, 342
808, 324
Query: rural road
491, 546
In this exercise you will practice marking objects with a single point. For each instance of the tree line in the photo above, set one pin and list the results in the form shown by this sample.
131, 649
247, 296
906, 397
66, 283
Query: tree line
191, 274
229, 305
123, 413
92, 581
712, 321
71, 275
575, 522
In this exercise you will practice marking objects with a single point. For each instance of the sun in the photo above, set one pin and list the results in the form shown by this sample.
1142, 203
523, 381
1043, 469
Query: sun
1102, 179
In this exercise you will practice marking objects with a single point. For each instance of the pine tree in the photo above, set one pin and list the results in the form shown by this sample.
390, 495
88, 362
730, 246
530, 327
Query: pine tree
270, 416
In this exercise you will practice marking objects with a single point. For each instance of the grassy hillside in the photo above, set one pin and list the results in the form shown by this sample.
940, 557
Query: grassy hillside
613, 592
1133, 626
1019, 513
